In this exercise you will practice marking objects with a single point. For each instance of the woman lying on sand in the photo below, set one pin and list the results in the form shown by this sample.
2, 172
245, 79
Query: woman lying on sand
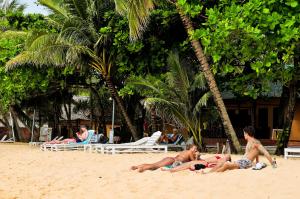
185, 156
201, 163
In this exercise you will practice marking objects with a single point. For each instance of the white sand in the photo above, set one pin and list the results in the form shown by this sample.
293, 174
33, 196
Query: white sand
28, 173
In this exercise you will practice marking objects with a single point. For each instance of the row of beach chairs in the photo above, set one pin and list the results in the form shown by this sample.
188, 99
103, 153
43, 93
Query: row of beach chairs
146, 144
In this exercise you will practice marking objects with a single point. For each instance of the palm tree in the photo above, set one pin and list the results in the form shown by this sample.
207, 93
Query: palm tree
78, 43
174, 99
138, 13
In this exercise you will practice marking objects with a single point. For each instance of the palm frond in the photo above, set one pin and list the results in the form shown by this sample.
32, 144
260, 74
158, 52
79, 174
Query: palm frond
199, 82
178, 77
56, 6
77, 8
202, 102
137, 13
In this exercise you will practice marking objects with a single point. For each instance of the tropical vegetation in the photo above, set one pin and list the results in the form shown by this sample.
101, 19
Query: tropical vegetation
159, 60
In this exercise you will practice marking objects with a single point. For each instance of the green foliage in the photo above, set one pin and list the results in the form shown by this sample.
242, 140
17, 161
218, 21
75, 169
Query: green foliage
22, 83
190, 8
178, 96
251, 42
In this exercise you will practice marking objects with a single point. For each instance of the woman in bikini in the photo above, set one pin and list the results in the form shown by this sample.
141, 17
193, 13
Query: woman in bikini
185, 156
201, 163
81, 136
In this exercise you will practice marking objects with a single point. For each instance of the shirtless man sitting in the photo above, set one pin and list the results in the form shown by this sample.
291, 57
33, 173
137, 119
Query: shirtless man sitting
185, 156
253, 149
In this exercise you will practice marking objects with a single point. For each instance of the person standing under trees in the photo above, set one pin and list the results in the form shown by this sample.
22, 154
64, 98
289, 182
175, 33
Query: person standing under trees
253, 149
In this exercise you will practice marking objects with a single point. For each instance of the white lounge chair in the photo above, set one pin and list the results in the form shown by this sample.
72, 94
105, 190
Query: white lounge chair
149, 146
176, 144
100, 147
292, 152
10, 140
39, 143
71, 146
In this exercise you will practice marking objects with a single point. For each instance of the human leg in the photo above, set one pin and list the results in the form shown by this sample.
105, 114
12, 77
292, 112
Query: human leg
228, 166
156, 165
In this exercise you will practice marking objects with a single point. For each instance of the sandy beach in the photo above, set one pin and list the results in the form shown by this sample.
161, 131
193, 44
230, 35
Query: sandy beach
28, 173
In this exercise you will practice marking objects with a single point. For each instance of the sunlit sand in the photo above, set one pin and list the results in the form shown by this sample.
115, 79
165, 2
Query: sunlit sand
28, 173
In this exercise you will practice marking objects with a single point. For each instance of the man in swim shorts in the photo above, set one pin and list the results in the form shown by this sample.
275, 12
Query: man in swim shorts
185, 156
253, 149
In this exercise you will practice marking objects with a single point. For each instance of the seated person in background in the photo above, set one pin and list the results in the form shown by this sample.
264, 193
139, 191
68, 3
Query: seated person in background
81, 136
170, 137
185, 156
201, 163
253, 149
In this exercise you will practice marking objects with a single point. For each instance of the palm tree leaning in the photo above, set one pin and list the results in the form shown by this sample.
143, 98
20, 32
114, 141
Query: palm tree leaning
138, 13
77, 43
174, 98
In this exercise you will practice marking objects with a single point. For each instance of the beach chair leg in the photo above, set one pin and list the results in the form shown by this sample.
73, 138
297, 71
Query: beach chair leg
285, 154
223, 149
218, 147
166, 149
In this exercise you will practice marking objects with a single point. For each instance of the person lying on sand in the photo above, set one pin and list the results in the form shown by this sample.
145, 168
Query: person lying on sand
185, 156
253, 149
201, 163
81, 136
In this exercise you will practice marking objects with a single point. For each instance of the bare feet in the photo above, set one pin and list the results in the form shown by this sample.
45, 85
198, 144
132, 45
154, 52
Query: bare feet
141, 170
133, 167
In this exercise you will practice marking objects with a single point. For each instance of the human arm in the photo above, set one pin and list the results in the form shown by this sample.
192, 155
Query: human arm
193, 156
82, 136
257, 159
262, 150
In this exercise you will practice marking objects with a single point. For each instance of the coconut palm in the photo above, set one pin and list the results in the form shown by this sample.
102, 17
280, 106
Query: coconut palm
138, 13
176, 99
78, 43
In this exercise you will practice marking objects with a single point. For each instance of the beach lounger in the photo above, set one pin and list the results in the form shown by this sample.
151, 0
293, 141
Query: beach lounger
10, 140
292, 152
100, 147
71, 146
39, 143
176, 144
149, 146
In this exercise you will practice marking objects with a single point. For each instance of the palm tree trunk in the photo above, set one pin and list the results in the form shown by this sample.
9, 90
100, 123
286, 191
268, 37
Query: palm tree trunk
204, 66
119, 101
283, 139
288, 119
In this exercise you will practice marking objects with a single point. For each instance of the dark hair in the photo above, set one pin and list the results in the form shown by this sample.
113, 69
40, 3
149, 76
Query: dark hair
188, 147
82, 127
249, 130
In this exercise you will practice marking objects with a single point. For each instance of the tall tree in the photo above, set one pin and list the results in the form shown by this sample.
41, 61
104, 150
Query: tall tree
77, 44
255, 44
138, 14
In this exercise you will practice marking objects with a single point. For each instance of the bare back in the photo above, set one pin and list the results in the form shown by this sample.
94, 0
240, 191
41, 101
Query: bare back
185, 156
